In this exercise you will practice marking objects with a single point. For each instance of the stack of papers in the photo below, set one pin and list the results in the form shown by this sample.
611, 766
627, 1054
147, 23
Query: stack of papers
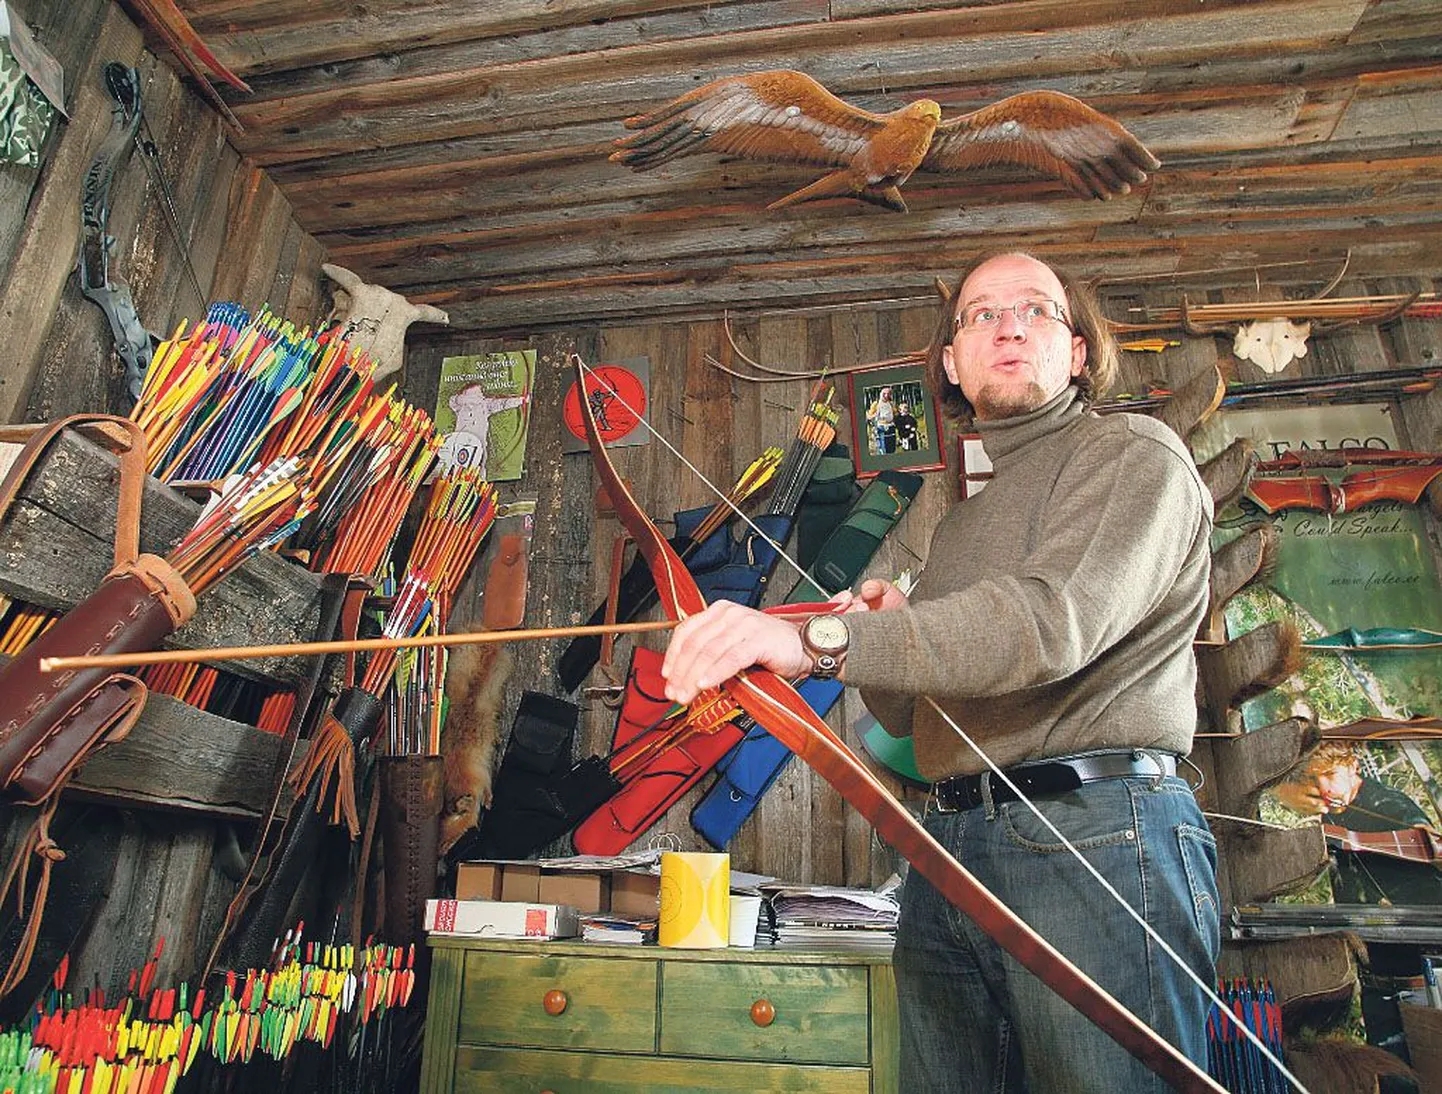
617, 930
827, 917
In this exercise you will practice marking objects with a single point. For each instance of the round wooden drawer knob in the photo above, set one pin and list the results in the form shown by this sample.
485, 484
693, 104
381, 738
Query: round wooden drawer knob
555, 1002
763, 1013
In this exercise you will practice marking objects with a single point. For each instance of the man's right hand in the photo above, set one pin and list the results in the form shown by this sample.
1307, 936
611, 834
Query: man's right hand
877, 595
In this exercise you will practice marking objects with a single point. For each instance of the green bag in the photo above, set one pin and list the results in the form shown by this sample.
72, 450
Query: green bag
25, 114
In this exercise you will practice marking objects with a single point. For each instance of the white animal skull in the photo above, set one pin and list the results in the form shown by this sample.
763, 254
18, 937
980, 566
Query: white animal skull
375, 319
1271, 344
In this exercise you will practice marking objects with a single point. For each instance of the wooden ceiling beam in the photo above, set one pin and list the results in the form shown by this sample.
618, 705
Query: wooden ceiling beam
708, 284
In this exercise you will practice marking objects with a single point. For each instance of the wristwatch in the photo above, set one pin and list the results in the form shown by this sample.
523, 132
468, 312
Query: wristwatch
826, 638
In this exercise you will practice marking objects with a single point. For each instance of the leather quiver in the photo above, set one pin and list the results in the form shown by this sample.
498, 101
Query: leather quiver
535, 759
51, 721
655, 763
412, 790
503, 605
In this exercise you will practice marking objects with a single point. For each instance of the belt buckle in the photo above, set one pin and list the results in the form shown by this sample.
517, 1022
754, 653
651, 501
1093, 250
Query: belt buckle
934, 804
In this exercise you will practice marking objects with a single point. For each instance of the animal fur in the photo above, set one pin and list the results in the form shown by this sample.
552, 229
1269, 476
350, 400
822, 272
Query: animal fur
476, 678
1248, 558
1342, 1067
1228, 474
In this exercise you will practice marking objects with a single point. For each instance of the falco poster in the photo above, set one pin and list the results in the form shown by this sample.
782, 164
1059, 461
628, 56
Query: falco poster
1355, 573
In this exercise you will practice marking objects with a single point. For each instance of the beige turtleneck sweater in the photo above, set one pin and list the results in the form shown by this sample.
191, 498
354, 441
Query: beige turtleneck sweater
1058, 606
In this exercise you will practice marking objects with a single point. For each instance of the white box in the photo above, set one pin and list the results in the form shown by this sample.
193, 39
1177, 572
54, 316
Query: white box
501, 919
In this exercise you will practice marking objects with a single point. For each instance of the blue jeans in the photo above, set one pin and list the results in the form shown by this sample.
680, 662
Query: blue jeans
974, 1021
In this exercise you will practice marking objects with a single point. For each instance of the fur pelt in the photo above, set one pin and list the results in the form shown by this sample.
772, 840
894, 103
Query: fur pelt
476, 678
1342, 1067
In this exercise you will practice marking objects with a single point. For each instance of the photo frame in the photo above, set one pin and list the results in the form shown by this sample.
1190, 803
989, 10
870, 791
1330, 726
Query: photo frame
895, 423
973, 463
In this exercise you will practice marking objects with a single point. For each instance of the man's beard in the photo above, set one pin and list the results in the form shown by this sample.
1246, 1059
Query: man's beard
996, 401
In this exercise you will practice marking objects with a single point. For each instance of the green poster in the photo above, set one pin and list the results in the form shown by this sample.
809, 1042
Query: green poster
483, 412
1368, 568
1371, 567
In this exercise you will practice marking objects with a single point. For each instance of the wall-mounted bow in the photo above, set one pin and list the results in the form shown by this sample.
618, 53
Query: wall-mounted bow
775, 705
98, 282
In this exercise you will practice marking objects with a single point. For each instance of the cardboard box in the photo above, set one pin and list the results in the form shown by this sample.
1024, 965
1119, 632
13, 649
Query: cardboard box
479, 881
500, 919
520, 882
587, 892
635, 893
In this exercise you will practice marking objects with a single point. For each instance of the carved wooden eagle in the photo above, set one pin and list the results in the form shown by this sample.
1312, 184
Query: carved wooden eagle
787, 117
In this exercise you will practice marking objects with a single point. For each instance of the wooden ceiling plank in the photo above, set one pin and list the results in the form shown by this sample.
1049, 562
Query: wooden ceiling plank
1407, 115
1388, 20
588, 87
1386, 254
386, 63
294, 33
584, 250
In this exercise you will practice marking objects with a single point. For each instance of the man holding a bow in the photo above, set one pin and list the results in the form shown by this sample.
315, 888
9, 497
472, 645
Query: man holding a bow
1051, 635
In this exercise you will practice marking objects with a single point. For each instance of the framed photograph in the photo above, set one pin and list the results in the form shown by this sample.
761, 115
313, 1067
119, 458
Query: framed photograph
894, 421
975, 464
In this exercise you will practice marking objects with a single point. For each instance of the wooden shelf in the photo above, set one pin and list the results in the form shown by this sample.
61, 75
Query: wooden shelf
56, 546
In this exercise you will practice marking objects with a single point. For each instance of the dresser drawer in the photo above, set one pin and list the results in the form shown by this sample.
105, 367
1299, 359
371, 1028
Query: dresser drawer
803, 1013
509, 999
513, 1071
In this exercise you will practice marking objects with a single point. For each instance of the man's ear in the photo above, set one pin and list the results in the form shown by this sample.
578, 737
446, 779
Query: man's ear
948, 364
1078, 354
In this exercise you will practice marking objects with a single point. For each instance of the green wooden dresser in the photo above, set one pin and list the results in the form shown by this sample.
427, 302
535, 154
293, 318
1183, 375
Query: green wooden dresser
576, 1018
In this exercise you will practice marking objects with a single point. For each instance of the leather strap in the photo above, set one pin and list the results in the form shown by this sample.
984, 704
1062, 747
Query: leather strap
337, 595
1059, 776
36, 842
123, 436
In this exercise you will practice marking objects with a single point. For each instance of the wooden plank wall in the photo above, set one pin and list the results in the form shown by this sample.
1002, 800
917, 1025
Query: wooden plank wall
802, 831
57, 359
245, 243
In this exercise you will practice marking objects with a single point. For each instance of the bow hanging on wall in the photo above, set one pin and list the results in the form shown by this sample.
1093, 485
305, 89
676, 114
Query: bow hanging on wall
133, 342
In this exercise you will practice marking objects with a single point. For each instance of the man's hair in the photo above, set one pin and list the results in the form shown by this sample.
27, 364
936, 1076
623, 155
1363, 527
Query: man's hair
1084, 315
1327, 756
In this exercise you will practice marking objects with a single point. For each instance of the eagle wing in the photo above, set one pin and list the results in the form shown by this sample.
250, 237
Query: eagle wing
778, 117
1048, 131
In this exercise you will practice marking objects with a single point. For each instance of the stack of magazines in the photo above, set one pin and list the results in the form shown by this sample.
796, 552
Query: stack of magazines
828, 917
618, 930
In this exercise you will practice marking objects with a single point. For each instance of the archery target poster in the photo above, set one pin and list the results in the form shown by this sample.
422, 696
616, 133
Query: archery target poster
483, 412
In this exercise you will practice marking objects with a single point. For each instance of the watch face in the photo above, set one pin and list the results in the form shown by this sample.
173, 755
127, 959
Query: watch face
827, 633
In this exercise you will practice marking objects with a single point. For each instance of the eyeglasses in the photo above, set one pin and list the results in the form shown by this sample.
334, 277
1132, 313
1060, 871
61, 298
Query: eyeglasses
1029, 313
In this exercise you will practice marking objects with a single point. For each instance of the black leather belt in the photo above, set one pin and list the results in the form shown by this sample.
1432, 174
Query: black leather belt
1059, 776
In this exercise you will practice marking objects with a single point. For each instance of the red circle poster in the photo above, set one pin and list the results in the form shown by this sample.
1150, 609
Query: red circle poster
618, 402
